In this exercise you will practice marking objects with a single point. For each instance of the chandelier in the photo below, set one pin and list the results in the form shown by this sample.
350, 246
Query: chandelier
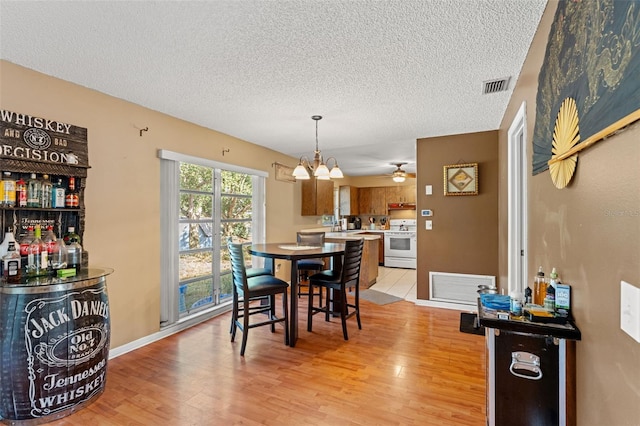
318, 166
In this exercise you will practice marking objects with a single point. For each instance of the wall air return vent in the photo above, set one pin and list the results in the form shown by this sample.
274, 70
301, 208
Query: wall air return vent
494, 86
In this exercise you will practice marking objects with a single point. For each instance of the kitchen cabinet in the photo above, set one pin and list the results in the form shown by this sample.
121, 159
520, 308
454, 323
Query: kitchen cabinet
401, 194
349, 201
373, 200
380, 246
317, 197
369, 265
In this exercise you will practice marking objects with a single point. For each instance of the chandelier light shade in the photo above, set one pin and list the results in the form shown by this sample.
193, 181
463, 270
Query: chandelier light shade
319, 168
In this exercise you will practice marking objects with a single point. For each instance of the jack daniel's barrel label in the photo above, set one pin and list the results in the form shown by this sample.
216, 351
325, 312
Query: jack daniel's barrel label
55, 358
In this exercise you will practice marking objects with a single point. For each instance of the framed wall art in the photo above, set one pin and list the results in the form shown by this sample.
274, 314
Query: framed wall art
284, 173
461, 179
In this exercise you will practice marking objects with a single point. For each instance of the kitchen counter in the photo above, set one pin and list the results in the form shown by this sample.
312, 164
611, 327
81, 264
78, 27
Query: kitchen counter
369, 265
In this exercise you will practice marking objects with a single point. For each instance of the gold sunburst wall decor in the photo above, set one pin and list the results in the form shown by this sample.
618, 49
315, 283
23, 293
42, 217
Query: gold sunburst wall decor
566, 135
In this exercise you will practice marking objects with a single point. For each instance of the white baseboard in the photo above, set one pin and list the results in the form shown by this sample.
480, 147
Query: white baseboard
169, 330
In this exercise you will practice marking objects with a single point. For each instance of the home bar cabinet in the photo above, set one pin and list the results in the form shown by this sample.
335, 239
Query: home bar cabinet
54, 328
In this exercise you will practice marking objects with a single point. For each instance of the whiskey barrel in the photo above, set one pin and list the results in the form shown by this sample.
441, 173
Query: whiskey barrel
54, 342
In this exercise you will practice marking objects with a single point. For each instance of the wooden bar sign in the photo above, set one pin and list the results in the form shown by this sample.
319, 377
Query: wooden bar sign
57, 147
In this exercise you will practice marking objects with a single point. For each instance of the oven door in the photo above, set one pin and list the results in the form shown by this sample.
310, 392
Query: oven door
400, 249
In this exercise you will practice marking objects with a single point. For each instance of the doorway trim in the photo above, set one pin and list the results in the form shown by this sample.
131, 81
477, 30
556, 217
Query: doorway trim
517, 202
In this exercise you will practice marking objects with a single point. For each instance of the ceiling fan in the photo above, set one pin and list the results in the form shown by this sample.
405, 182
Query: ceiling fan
399, 175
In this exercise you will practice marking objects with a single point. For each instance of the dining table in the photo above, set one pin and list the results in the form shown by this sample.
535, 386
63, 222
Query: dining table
294, 252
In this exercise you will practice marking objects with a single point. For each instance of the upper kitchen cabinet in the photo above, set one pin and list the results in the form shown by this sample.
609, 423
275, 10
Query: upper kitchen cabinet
317, 197
349, 201
372, 200
401, 194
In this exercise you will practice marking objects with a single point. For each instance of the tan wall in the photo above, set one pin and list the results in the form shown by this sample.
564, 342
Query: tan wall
590, 231
123, 184
464, 238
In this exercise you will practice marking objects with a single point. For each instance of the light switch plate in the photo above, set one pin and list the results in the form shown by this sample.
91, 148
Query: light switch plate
428, 224
630, 310
428, 189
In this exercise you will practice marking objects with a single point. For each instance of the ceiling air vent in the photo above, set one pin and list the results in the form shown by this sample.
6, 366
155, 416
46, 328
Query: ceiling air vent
494, 86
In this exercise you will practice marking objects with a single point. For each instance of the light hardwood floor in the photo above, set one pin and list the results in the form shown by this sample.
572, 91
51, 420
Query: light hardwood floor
409, 365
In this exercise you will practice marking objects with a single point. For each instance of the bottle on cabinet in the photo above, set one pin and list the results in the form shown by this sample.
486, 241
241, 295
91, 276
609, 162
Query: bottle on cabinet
34, 191
57, 251
8, 190
45, 194
72, 200
8, 237
25, 241
12, 264
539, 288
21, 193
37, 255
58, 195
550, 298
74, 249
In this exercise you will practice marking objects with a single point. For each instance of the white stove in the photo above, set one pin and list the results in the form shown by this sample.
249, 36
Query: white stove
400, 243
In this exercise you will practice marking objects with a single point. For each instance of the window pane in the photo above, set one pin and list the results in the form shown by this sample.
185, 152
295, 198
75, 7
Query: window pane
240, 231
194, 236
195, 206
195, 265
226, 281
235, 207
196, 295
236, 183
197, 178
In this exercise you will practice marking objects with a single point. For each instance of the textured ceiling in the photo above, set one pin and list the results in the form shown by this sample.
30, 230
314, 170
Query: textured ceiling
381, 73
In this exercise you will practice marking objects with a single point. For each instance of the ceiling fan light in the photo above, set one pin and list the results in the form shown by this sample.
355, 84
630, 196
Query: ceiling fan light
300, 172
398, 178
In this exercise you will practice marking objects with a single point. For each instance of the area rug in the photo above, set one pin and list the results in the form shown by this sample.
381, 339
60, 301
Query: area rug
378, 297
468, 324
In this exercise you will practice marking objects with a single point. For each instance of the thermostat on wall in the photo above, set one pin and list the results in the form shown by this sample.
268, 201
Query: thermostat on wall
427, 213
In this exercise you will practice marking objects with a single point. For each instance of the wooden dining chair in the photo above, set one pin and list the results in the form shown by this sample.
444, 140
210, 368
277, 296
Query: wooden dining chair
247, 291
308, 266
336, 283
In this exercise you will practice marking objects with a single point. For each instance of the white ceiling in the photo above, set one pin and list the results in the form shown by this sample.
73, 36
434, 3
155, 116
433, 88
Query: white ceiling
382, 73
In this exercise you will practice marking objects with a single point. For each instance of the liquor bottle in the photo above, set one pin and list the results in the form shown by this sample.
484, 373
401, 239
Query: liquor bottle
57, 195
74, 255
45, 195
34, 191
11, 265
21, 193
37, 256
8, 237
72, 199
8, 191
71, 236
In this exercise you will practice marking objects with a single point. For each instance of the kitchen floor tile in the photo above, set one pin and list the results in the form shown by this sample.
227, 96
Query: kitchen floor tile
397, 282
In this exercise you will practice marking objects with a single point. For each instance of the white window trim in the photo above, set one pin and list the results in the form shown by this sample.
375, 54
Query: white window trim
169, 215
